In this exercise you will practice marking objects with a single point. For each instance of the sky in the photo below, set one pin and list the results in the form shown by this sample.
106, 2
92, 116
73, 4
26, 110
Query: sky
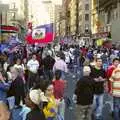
57, 1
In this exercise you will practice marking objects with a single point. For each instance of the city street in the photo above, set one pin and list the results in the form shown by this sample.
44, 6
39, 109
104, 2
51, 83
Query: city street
69, 93
43, 43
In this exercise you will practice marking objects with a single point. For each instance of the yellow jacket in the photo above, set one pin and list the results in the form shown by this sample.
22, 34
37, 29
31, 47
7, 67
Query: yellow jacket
51, 109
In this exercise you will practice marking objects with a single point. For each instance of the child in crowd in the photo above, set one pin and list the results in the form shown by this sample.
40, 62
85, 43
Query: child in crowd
50, 109
59, 87
84, 92
33, 100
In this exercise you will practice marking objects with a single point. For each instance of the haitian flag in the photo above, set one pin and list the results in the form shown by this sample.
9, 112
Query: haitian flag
41, 34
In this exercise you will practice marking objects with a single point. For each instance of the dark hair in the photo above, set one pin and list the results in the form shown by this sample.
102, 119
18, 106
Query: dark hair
98, 59
8, 68
116, 59
43, 85
4, 74
58, 74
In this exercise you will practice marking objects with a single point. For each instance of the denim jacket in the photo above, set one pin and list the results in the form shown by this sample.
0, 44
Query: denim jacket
4, 87
20, 113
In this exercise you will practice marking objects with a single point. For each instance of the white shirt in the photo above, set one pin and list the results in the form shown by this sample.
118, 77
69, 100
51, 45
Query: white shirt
5, 66
67, 57
33, 65
18, 66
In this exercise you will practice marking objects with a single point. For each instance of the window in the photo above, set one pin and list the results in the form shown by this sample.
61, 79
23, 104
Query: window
86, 17
80, 17
13, 15
86, 26
13, 5
86, 6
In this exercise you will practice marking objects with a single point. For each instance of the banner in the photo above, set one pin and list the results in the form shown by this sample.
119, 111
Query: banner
41, 34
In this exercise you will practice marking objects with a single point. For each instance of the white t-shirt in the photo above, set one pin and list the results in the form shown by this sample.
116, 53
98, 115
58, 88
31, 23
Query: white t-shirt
33, 65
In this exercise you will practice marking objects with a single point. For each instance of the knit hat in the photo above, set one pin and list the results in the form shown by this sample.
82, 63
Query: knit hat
37, 96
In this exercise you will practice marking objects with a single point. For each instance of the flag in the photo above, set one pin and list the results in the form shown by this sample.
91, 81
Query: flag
41, 34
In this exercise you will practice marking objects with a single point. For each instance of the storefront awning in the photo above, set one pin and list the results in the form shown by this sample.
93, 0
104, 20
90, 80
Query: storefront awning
8, 29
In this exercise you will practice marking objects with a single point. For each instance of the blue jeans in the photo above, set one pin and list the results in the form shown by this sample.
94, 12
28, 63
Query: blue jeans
98, 105
63, 75
116, 103
48, 74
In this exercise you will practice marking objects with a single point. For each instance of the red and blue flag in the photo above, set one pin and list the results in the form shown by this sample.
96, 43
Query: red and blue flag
41, 34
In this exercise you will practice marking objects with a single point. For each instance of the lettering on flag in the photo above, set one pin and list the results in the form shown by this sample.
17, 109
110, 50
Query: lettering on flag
39, 33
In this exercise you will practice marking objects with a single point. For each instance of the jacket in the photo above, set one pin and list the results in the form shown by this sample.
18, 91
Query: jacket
115, 82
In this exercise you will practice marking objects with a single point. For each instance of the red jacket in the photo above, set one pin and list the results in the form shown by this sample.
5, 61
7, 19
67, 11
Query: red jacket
109, 74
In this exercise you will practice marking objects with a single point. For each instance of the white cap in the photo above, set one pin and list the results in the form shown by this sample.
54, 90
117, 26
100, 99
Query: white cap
37, 96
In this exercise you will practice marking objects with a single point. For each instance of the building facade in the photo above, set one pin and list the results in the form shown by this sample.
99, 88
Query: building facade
42, 12
16, 13
13, 17
78, 16
104, 12
84, 16
72, 8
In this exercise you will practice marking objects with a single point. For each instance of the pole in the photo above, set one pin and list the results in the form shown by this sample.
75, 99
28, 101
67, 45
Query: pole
77, 18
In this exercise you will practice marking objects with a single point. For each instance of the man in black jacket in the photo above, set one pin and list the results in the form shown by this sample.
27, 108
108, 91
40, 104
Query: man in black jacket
48, 63
98, 75
84, 92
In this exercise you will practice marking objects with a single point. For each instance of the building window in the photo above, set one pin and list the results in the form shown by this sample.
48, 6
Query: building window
80, 17
86, 6
13, 5
86, 17
86, 26
13, 15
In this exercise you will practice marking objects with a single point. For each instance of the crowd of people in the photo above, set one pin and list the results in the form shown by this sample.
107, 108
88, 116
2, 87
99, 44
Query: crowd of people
33, 82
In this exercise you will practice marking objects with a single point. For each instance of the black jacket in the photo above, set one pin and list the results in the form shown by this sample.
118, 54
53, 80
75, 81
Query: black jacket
35, 114
85, 91
48, 63
99, 86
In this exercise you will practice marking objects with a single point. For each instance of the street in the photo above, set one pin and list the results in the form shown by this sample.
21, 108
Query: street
69, 115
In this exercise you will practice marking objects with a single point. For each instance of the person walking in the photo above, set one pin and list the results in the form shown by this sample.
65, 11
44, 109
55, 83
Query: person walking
59, 89
98, 74
17, 88
33, 66
115, 92
33, 100
60, 65
48, 63
84, 92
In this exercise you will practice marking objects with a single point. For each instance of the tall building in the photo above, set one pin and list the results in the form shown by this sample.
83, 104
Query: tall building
84, 16
78, 16
14, 18
72, 7
42, 12
103, 14
58, 11
16, 13
67, 16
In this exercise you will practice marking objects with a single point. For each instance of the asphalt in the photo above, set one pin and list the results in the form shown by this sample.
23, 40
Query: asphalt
69, 112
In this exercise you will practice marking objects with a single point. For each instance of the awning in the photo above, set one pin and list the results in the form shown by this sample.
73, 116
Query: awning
9, 29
